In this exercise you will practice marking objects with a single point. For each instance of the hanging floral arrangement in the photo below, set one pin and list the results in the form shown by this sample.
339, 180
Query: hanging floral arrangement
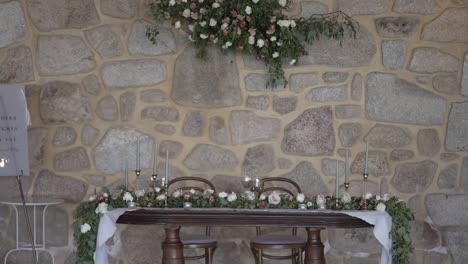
259, 28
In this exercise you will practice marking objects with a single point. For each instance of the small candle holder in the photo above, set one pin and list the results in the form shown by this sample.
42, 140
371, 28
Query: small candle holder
302, 206
322, 206
346, 185
187, 205
137, 173
257, 185
132, 205
365, 176
364, 204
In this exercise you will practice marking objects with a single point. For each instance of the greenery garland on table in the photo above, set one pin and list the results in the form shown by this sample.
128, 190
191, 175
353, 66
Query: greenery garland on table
88, 213
255, 27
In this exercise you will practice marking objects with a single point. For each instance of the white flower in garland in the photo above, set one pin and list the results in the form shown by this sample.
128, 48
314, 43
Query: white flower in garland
275, 54
191, 27
309, 204
157, 189
262, 197
201, 1
203, 23
161, 197
300, 197
386, 197
186, 13
283, 3
381, 207
208, 191
260, 43
102, 208
222, 195
224, 26
128, 197
293, 23
232, 197
184, 1
203, 36
172, 2
216, 5
227, 45
345, 197
140, 193
292, 62
85, 228
105, 194
250, 195
273, 39
248, 10
177, 193
321, 200
284, 23
368, 195
274, 198
251, 40
92, 198
255, 1
213, 22
192, 191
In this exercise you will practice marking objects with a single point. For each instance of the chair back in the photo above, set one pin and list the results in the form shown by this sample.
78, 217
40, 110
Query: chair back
278, 184
192, 180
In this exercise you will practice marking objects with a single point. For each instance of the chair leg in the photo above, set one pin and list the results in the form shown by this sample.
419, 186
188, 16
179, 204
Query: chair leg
260, 256
300, 255
255, 254
207, 256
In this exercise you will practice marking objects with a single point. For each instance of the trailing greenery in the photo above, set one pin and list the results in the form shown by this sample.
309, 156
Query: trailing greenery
88, 213
255, 27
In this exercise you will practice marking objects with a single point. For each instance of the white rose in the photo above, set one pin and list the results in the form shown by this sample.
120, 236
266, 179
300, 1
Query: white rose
215, 40
380, 207
172, 2
251, 40
186, 13
222, 195
191, 27
177, 194
345, 197
232, 197
248, 10
262, 197
228, 44
260, 43
85, 228
274, 198
201, 1
309, 204
161, 197
250, 195
275, 54
377, 197
292, 62
208, 191
192, 191
215, 5
283, 23
213, 22
102, 208
177, 24
321, 200
255, 1
185, 1
203, 36
92, 198
279, 43
293, 23
386, 197
157, 189
282, 3
368, 195
140, 193
203, 23
224, 26
300, 197
128, 197
273, 39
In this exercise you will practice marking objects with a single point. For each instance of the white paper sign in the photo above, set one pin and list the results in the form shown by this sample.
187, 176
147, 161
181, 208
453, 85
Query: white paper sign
14, 120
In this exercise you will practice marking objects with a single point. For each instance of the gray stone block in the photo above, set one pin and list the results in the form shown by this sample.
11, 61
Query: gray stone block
259, 160
388, 136
37, 142
356, 87
328, 93
89, 134
447, 84
416, 6
64, 136
127, 105
107, 108
133, 73
91, 84
17, 67
428, 142
218, 132
194, 124
391, 99
13, 24
260, 102
105, 41
431, 60
377, 163
246, 127
448, 177
401, 155
349, 133
464, 82
329, 167
312, 8
153, 96
174, 149
52, 185
347, 111
446, 210
305, 174
394, 54
362, 7
335, 77
457, 128
448, 27
165, 129
457, 242
298, 82
464, 175
140, 45
75, 159
414, 177
205, 157
396, 26
160, 113
119, 8
284, 105
258, 83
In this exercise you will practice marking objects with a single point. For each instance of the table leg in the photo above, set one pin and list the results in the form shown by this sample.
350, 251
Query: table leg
173, 250
314, 248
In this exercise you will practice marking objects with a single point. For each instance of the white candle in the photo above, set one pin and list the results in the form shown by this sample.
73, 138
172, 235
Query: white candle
126, 174
337, 183
155, 159
167, 167
367, 157
137, 167
346, 167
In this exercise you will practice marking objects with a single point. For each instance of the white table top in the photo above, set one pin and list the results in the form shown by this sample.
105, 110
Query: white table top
31, 201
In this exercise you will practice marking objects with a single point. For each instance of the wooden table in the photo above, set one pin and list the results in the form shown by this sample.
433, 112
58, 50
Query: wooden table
173, 219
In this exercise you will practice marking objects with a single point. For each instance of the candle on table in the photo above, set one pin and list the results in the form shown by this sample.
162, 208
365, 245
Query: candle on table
337, 183
126, 174
367, 157
167, 167
155, 159
137, 167
346, 167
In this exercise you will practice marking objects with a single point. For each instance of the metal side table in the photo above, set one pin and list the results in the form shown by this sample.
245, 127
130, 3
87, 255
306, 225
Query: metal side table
33, 202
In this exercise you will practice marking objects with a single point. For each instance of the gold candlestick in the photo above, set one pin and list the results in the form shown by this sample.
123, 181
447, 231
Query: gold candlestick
346, 185
137, 173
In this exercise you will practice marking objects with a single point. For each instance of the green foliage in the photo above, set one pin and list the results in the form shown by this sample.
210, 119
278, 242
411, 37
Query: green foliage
87, 212
258, 29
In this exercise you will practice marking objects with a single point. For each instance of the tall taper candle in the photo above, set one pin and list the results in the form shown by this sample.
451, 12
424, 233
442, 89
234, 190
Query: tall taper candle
367, 157
126, 174
155, 159
346, 167
167, 166
137, 167
337, 183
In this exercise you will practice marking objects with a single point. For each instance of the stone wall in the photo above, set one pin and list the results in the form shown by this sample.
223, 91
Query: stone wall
95, 84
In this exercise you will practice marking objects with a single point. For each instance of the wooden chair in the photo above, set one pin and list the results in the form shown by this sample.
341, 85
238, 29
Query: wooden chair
197, 241
274, 242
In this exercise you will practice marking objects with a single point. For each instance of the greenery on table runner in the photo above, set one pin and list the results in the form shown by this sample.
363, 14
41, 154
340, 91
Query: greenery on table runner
255, 27
88, 213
